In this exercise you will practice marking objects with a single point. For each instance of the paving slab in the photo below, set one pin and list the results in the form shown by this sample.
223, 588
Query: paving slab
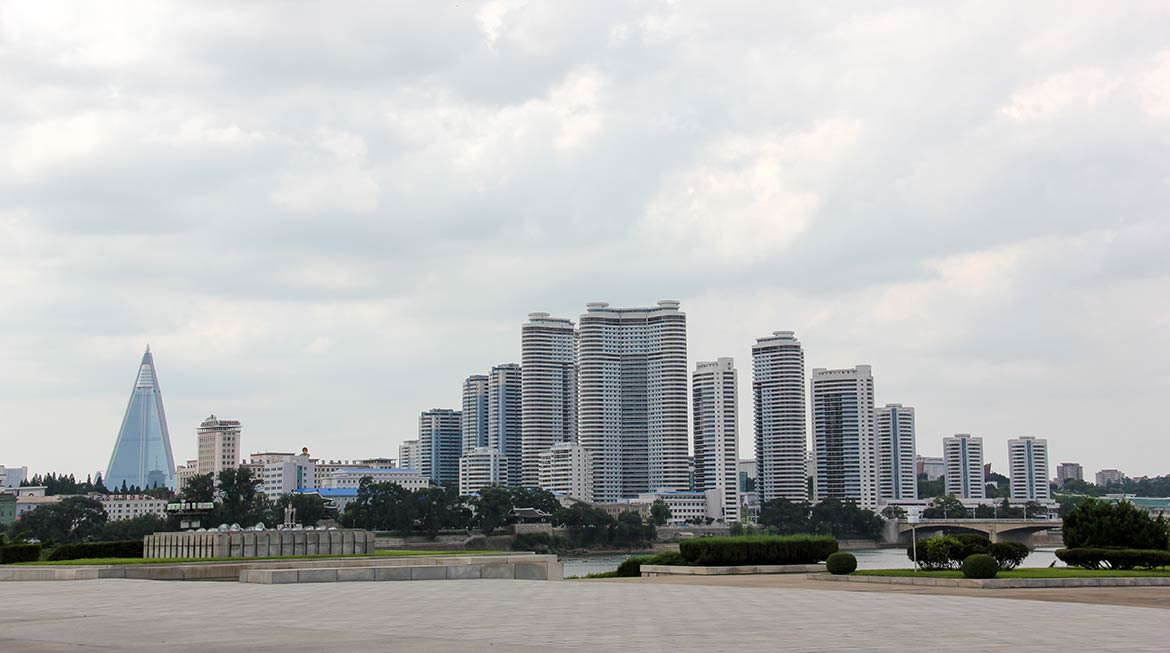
476, 615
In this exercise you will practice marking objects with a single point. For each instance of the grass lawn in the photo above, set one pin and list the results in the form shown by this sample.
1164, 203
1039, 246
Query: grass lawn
1037, 572
153, 561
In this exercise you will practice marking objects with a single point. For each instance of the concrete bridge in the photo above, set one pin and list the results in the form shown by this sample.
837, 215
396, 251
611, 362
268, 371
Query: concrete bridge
1019, 530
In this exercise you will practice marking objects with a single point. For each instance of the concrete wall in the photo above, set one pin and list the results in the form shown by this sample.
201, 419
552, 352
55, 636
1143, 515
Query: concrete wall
257, 544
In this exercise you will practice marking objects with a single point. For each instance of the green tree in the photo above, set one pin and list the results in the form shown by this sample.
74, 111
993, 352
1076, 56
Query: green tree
133, 529
199, 488
381, 506
72, 519
587, 525
492, 508
542, 500
629, 530
894, 512
439, 508
310, 509
659, 512
931, 488
985, 511
845, 519
948, 507
240, 500
785, 517
1096, 523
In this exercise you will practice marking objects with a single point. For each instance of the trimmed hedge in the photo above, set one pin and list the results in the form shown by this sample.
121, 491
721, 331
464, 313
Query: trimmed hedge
1009, 555
632, 567
1102, 558
758, 550
980, 565
841, 563
83, 550
19, 553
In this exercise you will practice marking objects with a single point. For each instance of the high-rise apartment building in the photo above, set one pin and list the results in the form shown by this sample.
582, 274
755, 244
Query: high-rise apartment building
1066, 472
779, 405
964, 457
633, 398
566, 469
475, 412
714, 407
894, 428
440, 442
845, 449
408, 455
481, 467
142, 453
504, 406
1109, 477
1028, 462
219, 445
548, 391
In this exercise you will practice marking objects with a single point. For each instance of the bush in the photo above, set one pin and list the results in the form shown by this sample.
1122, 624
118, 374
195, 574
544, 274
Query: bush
541, 543
971, 545
937, 553
758, 550
631, 567
83, 550
1103, 558
980, 565
20, 553
1122, 525
841, 563
668, 558
1009, 555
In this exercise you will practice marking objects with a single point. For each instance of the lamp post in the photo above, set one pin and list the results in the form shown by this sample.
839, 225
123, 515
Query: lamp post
912, 516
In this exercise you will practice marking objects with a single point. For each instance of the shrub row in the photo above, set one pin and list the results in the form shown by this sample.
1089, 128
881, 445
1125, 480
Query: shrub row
20, 553
949, 551
632, 567
1102, 558
82, 550
758, 550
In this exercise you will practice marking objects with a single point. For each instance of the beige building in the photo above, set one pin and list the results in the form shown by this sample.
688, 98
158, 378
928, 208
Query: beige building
219, 445
129, 506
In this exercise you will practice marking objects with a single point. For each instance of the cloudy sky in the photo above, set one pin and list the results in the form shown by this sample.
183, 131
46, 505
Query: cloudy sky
323, 216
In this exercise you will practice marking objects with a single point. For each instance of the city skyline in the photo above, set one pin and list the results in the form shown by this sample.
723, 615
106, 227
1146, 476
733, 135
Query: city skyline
322, 237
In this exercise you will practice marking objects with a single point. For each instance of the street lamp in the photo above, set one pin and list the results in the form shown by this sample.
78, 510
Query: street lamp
912, 515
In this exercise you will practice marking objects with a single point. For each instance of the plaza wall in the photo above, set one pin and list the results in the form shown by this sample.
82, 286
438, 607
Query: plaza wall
258, 544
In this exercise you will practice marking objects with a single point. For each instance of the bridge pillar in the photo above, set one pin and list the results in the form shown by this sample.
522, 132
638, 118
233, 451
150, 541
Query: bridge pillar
993, 533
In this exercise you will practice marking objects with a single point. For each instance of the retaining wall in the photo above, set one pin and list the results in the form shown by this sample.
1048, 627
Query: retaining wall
257, 544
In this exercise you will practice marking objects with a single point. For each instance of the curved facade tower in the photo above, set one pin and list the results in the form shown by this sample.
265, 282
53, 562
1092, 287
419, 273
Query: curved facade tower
548, 389
142, 454
633, 398
778, 400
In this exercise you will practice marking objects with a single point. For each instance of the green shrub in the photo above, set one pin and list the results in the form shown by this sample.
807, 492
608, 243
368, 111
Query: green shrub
758, 550
841, 563
936, 553
1009, 555
669, 558
541, 543
971, 544
20, 553
631, 567
1102, 524
980, 565
83, 550
1103, 558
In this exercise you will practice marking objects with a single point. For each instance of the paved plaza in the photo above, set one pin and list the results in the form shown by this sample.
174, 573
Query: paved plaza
509, 615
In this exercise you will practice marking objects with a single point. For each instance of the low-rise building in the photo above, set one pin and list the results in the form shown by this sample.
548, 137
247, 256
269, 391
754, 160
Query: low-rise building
1109, 477
351, 477
129, 506
28, 502
480, 467
615, 508
184, 473
337, 498
934, 467
687, 507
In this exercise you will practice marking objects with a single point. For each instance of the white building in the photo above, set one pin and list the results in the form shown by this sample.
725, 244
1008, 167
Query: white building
934, 467
548, 389
779, 409
481, 467
1066, 472
280, 476
964, 457
504, 412
566, 470
28, 502
219, 445
184, 473
325, 468
13, 476
1028, 462
633, 398
843, 435
686, 506
129, 506
715, 406
894, 429
408, 455
475, 413
1109, 476
351, 477
440, 441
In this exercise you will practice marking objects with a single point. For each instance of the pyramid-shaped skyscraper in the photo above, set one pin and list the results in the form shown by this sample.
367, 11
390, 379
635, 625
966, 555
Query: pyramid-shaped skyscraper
142, 455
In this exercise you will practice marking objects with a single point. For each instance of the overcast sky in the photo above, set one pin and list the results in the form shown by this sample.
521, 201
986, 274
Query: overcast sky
323, 216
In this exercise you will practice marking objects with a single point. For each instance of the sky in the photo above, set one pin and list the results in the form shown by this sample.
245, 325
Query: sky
323, 216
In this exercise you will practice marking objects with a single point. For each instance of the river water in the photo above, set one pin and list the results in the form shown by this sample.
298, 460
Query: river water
866, 559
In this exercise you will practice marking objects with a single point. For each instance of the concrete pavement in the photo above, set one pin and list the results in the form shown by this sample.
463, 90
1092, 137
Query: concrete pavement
477, 615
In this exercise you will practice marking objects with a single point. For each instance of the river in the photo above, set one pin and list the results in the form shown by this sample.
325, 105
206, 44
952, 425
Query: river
866, 559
